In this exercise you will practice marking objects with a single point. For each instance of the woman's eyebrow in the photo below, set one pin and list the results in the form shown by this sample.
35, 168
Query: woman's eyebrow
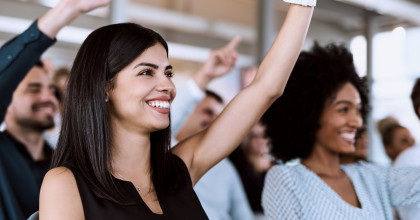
154, 66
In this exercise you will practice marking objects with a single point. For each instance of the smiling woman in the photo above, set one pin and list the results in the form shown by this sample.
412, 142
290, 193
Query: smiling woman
316, 119
140, 96
339, 121
113, 159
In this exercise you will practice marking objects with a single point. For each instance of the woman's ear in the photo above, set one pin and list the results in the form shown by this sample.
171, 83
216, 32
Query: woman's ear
108, 88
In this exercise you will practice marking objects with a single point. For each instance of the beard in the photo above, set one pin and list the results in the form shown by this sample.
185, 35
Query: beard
38, 125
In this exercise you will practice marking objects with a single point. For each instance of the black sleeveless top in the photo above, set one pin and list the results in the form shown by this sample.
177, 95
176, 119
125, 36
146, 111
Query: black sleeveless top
181, 203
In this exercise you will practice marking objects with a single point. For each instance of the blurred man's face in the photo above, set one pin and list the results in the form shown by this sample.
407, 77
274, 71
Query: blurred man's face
205, 113
201, 118
33, 104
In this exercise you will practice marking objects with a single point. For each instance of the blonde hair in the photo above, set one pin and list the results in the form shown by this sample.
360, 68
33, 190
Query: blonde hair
386, 124
387, 127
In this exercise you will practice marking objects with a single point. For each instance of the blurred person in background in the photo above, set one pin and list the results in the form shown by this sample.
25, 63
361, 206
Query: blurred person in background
60, 79
204, 113
27, 104
252, 160
24, 154
395, 137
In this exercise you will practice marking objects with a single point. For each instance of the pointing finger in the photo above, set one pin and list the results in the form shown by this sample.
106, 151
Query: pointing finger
234, 42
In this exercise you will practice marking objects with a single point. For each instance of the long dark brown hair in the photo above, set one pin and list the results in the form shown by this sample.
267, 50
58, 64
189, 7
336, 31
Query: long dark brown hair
85, 142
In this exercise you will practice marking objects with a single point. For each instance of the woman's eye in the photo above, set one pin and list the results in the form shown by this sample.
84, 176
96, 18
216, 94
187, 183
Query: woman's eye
169, 74
343, 110
145, 73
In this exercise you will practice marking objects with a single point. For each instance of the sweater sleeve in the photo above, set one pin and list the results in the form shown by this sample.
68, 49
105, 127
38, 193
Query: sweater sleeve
17, 57
404, 185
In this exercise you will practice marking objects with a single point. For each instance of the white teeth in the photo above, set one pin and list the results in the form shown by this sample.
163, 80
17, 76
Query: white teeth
349, 136
159, 104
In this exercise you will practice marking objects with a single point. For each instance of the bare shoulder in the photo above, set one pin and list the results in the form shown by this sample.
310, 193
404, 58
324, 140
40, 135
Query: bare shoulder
59, 197
59, 172
58, 179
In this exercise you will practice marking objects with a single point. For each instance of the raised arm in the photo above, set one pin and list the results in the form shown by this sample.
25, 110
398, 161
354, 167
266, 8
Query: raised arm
207, 148
21, 53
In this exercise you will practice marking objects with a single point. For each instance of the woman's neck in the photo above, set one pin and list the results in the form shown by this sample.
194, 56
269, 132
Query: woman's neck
323, 162
346, 159
130, 151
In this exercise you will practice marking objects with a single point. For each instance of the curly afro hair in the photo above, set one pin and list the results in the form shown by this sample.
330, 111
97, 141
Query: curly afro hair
293, 119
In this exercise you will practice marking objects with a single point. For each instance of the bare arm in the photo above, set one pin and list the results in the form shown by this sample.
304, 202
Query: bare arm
207, 148
64, 13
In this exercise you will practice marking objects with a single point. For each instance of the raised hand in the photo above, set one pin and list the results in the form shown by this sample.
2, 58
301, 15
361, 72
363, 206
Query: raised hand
87, 5
64, 13
219, 63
